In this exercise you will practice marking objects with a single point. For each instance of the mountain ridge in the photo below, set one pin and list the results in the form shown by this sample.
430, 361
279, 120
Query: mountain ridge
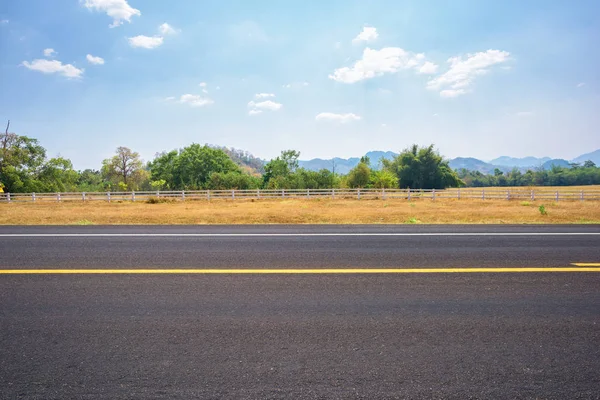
503, 163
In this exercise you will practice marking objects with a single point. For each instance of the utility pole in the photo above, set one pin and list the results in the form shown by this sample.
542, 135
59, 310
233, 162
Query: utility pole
332, 171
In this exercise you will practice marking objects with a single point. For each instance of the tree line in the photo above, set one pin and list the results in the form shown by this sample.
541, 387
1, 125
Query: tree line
586, 174
25, 167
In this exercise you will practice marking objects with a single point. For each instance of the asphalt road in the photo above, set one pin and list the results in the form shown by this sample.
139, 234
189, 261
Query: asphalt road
369, 336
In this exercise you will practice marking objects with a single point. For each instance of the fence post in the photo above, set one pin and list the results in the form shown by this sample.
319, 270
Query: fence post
433, 195
8, 197
308, 193
258, 193
183, 195
208, 195
232, 195
581, 195
58, 197
82, 196
333, 193
108, 196
383, 193
532, 195
482, 194
557, 195
459, 194
282, 192
132, 195
33, 196
358, 194
408, 194
508, 195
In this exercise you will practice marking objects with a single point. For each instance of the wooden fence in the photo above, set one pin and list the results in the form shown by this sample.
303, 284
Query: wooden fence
513, 193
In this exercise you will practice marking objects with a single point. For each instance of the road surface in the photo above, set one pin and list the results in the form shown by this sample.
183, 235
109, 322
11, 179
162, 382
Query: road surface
431, 333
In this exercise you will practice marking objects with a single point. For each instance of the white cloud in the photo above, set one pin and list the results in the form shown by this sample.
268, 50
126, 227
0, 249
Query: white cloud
118, 10
50, 52
341, 118
263, 95
295, 85
524, 114
167, 29
195, 100
452, 92
463, 72
95, 60
4, 21
384, 125
428, 68
376, 63
54, 67
147, 42
254, 112
202, 84
580, 84
170, 98
368, 34
265, 105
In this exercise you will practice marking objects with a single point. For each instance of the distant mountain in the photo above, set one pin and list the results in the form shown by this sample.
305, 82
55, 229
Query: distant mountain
594, 156
376, 156
342, 165
472, 164
504, 163
558, 162
519, 162
248, 163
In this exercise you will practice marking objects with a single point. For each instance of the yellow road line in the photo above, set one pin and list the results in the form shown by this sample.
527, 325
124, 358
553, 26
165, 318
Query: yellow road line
296, 271
586, 264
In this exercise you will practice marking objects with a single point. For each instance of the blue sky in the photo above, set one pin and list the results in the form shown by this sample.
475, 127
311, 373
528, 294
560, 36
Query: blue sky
327, 78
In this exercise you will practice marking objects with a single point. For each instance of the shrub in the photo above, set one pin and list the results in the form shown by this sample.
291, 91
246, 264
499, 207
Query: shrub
543, 210
158, 200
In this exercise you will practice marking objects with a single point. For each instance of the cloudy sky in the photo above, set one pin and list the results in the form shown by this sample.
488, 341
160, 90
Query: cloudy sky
327, 78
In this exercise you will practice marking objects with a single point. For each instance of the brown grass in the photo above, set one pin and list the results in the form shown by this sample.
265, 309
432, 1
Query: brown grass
302, 211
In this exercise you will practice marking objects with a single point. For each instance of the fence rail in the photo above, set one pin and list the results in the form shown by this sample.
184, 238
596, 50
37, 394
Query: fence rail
522, 194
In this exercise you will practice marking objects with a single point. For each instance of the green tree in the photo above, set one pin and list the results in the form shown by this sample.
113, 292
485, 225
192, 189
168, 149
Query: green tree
158, 185
162, 168
125, 166
384, 179
191, 167
589, 164
278, 169
290, 157
90, 180
233, 180
57, 175
20, 160
422, 168
359, 176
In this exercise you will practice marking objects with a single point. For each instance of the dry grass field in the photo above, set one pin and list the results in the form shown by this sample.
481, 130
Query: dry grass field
302, 211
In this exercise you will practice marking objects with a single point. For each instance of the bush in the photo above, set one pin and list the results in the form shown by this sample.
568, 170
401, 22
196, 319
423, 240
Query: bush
543, 210
158, 200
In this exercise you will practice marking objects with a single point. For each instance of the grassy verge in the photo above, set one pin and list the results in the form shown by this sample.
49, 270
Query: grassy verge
301, 211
